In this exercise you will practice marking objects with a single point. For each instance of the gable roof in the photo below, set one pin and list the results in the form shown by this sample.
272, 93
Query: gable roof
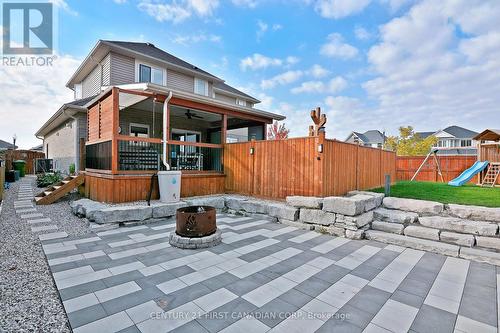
6, 145
424, 135
455, 131
371, 136
150, 51
460, 132
488, 135
60, 116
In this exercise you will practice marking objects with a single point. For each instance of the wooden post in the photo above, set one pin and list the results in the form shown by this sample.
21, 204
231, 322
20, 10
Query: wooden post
223, 139
82, 155
320, 171
115, 95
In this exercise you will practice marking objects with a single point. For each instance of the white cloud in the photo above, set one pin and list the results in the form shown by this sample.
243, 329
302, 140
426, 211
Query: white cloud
318, 72
336, 48
31, 95
333, 86
427, 68
259, 61
395, 5
337, 9
120, 1
281, 79
263, 27
64, 5
291, 60
362, 34
245, 3
277, 26
196, 38
177, 12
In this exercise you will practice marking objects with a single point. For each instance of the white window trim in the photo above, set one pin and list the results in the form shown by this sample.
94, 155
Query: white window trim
196, 80
78, 91
138, 64
137, 125
238, 100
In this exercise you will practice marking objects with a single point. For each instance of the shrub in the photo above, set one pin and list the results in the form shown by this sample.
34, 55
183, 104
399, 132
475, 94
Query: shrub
46, 179
72, 169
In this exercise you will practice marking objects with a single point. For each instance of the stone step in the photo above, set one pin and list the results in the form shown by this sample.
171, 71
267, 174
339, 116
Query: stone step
394, 228
421, 207
480, 255
474, 212
414, 243
488, 242
457, 238
422, 232
395, 216
459, 225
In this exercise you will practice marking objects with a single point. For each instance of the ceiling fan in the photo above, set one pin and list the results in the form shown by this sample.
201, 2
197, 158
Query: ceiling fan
190, 115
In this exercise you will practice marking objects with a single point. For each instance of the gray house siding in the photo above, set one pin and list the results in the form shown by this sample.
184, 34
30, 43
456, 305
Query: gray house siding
122, 69
59, 145
180, 81
106, 70
91, 85
225, 98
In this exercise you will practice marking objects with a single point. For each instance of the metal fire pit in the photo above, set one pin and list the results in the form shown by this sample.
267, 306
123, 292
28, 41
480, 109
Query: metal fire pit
195, 221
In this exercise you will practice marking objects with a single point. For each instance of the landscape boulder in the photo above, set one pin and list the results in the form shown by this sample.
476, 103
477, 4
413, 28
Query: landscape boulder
282, 211
123, 214
167, 209
421, 207
305, 202
474, 212
354, 205
395, 216
316, 216
460, 225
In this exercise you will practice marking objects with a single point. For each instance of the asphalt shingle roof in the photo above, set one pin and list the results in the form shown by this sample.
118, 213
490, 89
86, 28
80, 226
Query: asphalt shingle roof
5, 145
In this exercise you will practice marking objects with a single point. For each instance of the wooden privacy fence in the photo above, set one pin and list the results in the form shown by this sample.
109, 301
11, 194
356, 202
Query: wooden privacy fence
309, 166
27, 155
451, 167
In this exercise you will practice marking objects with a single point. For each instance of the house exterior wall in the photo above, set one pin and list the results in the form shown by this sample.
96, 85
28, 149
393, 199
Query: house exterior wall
59, 145
122, 69
100, 76
225, 98
117, 69
180, 81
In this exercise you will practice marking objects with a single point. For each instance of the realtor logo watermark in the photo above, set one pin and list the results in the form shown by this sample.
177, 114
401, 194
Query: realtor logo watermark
28, 30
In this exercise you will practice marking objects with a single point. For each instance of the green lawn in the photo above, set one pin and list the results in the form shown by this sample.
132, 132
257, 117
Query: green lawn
464, 195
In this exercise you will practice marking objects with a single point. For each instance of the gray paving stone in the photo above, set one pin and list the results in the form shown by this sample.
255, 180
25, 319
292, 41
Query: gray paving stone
247, 284
338, 326
353, 316
86, 315
275, 312
369, 299
187, 294
295, 297
431, 319
130, 300
225, 315
192, 326
407, 298
366, 272
313, 286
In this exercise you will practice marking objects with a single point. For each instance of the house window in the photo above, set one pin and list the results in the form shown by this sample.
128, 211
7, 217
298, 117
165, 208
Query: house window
139, 130
241, 102
78, 91
150, 74
465, 143
200, 87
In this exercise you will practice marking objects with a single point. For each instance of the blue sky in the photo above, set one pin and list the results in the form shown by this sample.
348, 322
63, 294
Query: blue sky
370, 64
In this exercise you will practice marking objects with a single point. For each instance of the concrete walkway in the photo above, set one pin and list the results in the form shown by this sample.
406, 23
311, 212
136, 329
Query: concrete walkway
266, 277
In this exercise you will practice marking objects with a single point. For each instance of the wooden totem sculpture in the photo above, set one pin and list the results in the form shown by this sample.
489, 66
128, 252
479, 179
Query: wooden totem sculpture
319, 121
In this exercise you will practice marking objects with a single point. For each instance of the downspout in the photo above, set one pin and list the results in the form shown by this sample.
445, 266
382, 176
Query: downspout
165, 127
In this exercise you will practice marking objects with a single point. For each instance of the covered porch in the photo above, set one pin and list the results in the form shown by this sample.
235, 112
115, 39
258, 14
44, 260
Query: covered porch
124, 143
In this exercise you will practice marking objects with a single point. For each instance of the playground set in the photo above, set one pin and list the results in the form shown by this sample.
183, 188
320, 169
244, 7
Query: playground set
486, 168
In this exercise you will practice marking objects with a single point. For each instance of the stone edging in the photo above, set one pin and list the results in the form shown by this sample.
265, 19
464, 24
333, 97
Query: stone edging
195, 242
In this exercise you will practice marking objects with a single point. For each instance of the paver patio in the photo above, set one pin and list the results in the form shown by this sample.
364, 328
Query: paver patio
266, 277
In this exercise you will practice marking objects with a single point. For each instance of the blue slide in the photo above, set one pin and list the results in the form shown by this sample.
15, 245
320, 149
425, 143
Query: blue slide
467, 175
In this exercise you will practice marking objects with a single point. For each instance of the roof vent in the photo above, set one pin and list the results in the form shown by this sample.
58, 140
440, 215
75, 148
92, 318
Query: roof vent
150, 44
194, 67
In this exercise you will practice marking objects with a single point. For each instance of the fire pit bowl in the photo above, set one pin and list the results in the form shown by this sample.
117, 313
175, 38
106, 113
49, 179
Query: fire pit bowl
195, 221
195, 228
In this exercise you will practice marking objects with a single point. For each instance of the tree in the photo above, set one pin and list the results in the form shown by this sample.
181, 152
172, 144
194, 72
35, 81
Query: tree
409, 143
277, 132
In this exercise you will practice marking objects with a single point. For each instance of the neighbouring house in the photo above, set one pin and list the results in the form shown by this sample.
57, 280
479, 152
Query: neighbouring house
453, 140
116, 119
37, 148
372, 138
4, 145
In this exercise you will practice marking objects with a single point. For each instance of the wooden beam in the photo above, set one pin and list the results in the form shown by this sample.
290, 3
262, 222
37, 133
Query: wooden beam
114, 125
